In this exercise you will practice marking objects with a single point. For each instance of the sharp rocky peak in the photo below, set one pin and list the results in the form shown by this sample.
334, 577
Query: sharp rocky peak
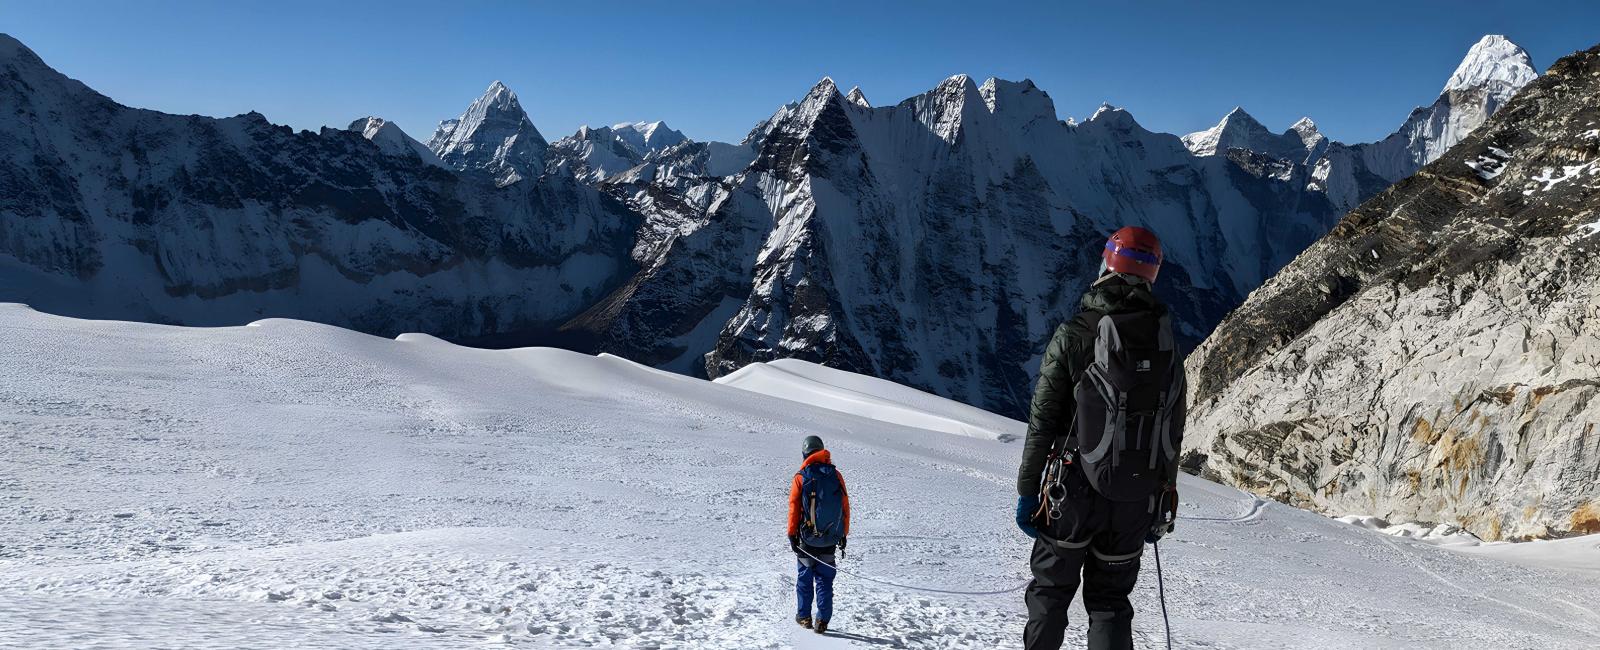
1238, 117
1020, 99
823, 90
858, 98
494, 135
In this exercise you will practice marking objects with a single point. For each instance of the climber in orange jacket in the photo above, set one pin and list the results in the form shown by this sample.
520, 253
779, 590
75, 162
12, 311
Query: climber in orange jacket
819, 523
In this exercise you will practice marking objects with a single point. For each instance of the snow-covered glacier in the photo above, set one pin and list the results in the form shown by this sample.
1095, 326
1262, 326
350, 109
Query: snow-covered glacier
288, 484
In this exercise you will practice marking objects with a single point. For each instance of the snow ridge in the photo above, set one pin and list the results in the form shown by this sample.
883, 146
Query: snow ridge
1493, 61
392, 140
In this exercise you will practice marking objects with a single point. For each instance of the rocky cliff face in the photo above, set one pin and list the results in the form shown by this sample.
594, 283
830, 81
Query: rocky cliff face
937, 242
113, 212
1436, 357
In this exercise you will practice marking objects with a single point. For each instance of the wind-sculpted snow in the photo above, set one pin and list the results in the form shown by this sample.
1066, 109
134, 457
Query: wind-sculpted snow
111, 211
1437, 356
292, 483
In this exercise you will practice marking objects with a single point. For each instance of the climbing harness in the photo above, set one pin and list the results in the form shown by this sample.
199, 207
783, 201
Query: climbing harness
1053, 489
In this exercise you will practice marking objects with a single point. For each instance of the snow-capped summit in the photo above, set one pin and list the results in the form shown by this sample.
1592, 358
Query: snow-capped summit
1491, 72
858, 98
647, 137
1422, 359
594, 153
1236, 130
494, 135
1239, 130
391, 140
945, 109
221, 221
1105, 108
1494, 61
1019, 101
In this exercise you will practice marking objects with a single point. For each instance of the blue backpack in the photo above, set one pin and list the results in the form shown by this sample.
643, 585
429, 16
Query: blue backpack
822, 501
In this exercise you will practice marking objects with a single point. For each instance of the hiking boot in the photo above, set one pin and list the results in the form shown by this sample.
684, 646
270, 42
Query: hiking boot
821, 627
803, 621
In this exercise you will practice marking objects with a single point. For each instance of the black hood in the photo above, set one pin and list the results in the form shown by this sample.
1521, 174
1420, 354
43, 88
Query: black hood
1114, 294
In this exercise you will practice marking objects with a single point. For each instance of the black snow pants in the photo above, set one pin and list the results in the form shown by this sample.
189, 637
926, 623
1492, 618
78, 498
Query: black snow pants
1101, 541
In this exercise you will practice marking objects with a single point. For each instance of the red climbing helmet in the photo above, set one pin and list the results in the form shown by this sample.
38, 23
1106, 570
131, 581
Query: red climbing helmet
1135, 251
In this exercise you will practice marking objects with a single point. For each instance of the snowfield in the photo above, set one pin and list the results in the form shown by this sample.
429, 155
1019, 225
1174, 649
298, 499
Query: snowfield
293, 484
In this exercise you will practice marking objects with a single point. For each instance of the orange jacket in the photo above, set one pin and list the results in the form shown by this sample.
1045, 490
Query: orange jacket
794, 493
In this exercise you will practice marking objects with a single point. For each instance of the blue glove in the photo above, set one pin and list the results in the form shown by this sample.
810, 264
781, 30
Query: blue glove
1026, 506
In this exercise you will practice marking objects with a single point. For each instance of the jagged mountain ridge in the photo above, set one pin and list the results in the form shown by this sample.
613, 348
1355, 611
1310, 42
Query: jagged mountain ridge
1436, 357
934, 242
1491, 72
892, 241
115, 212
927, 242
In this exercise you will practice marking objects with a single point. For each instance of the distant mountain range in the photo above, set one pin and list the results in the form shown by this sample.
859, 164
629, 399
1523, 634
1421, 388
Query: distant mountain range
935, 242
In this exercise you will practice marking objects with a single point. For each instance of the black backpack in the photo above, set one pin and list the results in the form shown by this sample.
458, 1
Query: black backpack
1126, 433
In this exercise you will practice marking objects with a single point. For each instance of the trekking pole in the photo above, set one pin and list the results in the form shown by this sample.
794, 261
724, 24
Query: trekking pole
1161, 590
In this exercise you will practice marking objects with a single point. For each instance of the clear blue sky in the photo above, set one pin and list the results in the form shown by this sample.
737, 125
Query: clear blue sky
713, 69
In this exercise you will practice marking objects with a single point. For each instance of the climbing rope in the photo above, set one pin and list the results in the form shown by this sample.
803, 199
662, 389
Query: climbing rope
930, 590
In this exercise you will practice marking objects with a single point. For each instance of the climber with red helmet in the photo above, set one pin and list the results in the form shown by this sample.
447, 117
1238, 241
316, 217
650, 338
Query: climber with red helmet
1099, 469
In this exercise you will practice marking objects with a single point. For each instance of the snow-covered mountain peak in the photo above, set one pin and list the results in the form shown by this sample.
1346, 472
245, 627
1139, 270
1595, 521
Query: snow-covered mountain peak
645, 137
858, 98
494, 135
1018, 100
1490, 74
944, 110
1237, 130
22, 64
391, 140
11, 48
955, 91
501, 96
1307, 131
1111, 117
1493, 61
823, 88
955, 81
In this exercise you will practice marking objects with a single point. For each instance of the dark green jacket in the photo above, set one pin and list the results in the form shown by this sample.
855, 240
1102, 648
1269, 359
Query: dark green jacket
1070, 351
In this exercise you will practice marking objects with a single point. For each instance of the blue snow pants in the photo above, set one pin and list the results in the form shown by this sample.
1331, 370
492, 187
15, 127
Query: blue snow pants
815, 583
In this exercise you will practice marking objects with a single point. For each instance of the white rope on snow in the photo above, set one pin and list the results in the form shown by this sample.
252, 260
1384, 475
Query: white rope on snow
931, 590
